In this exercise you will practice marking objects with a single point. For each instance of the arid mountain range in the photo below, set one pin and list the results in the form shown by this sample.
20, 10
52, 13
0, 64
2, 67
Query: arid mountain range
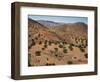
58, 31
43, 33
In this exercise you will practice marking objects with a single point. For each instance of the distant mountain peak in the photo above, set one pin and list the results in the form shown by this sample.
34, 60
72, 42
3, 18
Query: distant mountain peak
48, 23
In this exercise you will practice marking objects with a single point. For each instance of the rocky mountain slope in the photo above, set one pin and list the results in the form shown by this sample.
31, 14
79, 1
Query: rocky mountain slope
52, 43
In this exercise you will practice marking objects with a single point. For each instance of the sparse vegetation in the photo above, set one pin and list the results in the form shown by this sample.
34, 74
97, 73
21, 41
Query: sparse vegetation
29, 58
56, 46
71, 47
45, 42
48, 64
69, 62
38, 53
81, 48
50, 43
39, 35
56, 55
36, 38
65, 50
29, 35
55, 43
86, 55
40, 42
56, 49
33, 42
45, 46
60, 46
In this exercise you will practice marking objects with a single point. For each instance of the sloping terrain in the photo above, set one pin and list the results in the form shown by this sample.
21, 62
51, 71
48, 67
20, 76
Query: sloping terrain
51, 43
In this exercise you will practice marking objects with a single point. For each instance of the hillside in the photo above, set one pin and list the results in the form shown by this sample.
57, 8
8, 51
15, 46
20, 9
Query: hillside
51, 43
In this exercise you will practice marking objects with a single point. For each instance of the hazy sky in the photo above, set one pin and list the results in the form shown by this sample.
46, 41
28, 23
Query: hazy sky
63, 19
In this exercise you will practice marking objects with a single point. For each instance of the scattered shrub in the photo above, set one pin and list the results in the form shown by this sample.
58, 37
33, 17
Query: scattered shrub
43, 48
82, 50
38, 53
36, 38
55, 43
33, 42
45, 42
29, 59
69, 62
65, 50
86, 55
60, 46
71, 44
48, 64
29, 35
40, 42
76, 41
71, 47
56, 49
65, 42
56, 55
38, 35
49, 42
